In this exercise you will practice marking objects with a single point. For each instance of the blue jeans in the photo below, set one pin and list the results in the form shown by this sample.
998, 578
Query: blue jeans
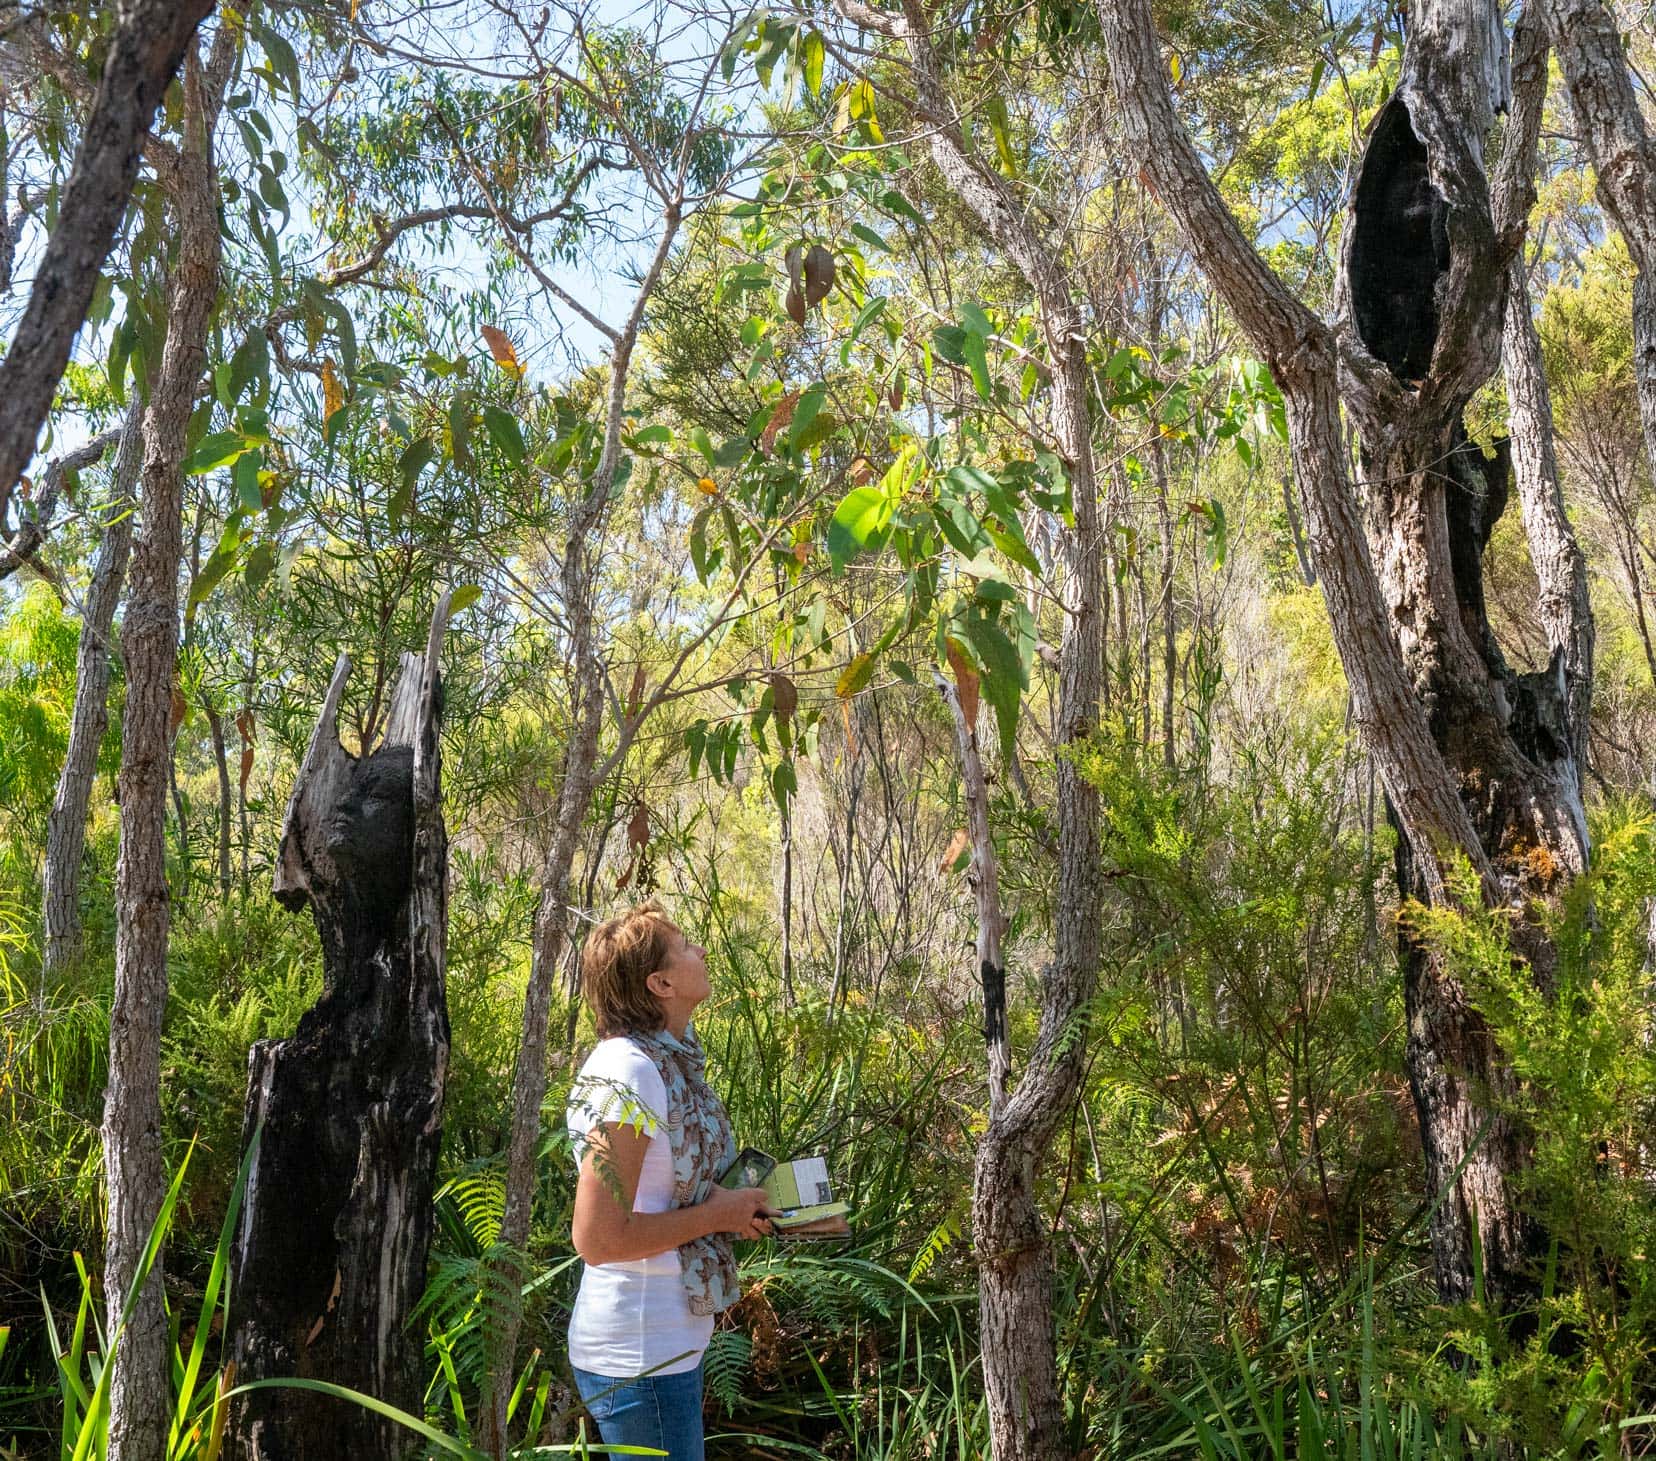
663, 1411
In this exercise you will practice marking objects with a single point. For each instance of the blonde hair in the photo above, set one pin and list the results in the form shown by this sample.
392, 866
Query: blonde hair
620, 955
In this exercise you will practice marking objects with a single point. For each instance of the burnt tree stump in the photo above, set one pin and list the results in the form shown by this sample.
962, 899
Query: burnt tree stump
330, 1252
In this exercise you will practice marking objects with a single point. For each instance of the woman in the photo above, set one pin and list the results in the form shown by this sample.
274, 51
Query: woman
651, 1222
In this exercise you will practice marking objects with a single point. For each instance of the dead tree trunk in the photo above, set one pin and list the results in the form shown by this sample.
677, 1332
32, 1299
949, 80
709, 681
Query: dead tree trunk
66, 825
143, 55
1479, 763
330, 1255
138, 1412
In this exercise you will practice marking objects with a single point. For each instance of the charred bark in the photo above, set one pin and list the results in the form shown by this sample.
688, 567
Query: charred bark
330, 1255
143, 55
1479, 763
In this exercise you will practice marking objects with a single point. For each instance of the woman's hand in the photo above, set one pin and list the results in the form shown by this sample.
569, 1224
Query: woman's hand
743, 1212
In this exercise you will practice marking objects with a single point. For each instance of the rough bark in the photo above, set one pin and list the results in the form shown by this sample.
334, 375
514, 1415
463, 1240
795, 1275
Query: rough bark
330, 1253
138, 1415
575, 791
1478, 762
66, 825
143, 55
1026, 1409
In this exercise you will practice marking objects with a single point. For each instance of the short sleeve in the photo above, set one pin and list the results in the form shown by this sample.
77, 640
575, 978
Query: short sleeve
618, 1084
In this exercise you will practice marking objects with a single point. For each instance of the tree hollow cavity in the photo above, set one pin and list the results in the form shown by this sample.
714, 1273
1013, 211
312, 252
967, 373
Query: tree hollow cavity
1399, 246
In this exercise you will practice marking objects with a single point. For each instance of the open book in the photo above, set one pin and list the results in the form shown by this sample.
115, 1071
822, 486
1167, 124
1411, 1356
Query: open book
800, 1190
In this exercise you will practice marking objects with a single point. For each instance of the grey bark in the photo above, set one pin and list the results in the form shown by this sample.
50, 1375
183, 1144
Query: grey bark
143, 55
1026, 1409
31, 533
138, 1413
1560, 565
575, 792
66, 824
1478, 763
331, 1250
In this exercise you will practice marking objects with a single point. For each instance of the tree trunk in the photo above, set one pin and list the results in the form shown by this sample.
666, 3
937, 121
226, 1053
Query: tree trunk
985, 880
1611, 128
66, 825
330, 1253
143, 55
1020, 1370
138, 1413
1478, 762
574, 798
215, 725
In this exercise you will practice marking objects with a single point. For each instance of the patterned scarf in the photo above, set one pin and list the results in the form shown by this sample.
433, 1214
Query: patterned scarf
703, 1146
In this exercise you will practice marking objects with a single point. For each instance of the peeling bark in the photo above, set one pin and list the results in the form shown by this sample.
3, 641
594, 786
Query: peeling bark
330, 1254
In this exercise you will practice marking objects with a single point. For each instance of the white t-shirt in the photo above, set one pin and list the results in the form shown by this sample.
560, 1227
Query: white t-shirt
632, 1317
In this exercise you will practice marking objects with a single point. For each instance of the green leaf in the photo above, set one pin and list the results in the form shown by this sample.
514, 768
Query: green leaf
415, 459
859, 523
503, 430
260, 563
805, 412
459, 415
784, 783
223, 559
216, 450
246, 479
895, 202
974, 347
812, 54
464, 597
869, 237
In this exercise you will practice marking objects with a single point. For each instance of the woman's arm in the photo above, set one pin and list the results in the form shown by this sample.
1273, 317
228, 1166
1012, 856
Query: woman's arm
607, 1230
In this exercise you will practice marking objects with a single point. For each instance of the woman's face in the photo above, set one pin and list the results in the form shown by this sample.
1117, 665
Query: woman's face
685, 970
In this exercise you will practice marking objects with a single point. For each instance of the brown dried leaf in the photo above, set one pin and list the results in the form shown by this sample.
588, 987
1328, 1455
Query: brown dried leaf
795, 305
635, 696
966, 683
784, 697
501, 348
896, 396
246, 767
862, 471
178, 709
850, 734
638, 829
780, 417
958, 844
819, 274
